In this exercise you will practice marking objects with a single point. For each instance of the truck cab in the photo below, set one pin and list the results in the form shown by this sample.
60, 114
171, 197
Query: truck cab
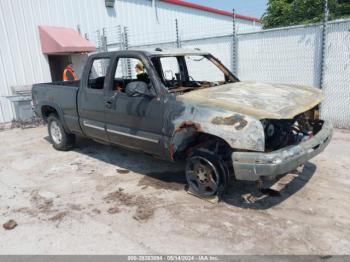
186, 105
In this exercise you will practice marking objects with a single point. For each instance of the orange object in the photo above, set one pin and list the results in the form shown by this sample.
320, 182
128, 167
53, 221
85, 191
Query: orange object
69, 74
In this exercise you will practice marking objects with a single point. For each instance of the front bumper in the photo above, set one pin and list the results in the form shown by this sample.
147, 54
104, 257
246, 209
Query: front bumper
252, 165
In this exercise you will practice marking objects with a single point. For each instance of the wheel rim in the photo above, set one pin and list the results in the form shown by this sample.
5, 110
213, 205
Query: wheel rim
202, 176
56, 133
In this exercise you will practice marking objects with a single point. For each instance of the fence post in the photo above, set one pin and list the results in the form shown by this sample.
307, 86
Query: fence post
323, 43
234, 43
126, 47
104, 40
99, 44
78, 29
178, 43
120, 37
126, 38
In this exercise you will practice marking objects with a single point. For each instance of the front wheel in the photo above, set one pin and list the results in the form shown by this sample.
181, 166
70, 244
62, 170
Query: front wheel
206, 173
60, 138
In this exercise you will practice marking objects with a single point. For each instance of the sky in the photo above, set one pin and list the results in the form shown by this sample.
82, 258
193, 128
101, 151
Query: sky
254, 8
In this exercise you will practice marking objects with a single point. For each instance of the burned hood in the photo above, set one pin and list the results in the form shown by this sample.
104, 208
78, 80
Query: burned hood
259, 100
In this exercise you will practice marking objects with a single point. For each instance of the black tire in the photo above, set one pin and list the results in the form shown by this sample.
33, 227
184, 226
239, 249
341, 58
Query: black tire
60, 139
206, 174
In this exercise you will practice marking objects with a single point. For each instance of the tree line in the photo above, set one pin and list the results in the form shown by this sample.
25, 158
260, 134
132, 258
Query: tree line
281, 13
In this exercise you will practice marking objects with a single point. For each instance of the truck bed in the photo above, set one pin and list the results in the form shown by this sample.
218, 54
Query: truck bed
61, 95
74, 83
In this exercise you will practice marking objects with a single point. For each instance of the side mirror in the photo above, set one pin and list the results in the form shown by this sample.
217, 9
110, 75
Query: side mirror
138, 88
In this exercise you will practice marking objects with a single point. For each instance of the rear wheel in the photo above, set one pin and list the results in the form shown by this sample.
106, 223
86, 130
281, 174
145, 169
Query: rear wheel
206, 173
60, 139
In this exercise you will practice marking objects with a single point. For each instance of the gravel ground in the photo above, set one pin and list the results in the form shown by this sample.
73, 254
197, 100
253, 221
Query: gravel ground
99, 199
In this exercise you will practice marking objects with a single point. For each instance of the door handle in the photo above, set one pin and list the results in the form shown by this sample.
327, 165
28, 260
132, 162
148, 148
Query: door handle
108, 104
109, 101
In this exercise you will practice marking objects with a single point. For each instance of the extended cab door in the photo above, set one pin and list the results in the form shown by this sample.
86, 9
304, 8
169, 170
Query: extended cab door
134, 121
91, 98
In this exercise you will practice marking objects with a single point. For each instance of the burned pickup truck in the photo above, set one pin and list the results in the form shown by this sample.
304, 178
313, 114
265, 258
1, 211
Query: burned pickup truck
186, 105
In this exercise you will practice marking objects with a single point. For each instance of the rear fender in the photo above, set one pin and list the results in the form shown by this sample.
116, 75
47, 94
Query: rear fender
58, 110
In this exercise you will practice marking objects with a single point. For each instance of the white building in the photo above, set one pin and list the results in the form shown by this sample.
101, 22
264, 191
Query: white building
24, 61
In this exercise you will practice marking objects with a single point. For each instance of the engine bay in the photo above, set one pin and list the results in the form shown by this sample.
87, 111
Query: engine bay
280, 133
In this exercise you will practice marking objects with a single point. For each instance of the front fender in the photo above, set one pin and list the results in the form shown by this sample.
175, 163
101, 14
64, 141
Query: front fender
239, 131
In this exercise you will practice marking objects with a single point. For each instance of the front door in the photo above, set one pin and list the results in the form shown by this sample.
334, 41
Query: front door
91, 100
133, 121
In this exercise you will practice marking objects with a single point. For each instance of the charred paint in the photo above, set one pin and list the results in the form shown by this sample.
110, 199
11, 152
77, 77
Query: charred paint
189, 123
235, 120
242, 132
233, 112
259, 100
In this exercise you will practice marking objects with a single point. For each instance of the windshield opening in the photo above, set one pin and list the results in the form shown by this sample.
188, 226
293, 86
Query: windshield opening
189, 72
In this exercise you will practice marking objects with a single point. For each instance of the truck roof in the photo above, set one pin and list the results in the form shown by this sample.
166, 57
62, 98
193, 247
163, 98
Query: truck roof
158, 52
175, 52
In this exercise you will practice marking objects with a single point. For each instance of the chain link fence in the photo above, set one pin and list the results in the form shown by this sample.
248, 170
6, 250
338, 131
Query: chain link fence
292, 55
336, 106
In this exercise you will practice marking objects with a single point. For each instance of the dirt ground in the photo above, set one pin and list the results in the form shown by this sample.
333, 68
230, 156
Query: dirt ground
98, 199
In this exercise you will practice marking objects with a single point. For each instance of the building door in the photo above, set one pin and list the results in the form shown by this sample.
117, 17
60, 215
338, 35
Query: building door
57, 64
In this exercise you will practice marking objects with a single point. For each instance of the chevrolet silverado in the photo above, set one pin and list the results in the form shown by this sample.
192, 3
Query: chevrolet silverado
186, 105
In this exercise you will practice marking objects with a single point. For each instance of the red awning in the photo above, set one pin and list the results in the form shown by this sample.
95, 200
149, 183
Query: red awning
58, 40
